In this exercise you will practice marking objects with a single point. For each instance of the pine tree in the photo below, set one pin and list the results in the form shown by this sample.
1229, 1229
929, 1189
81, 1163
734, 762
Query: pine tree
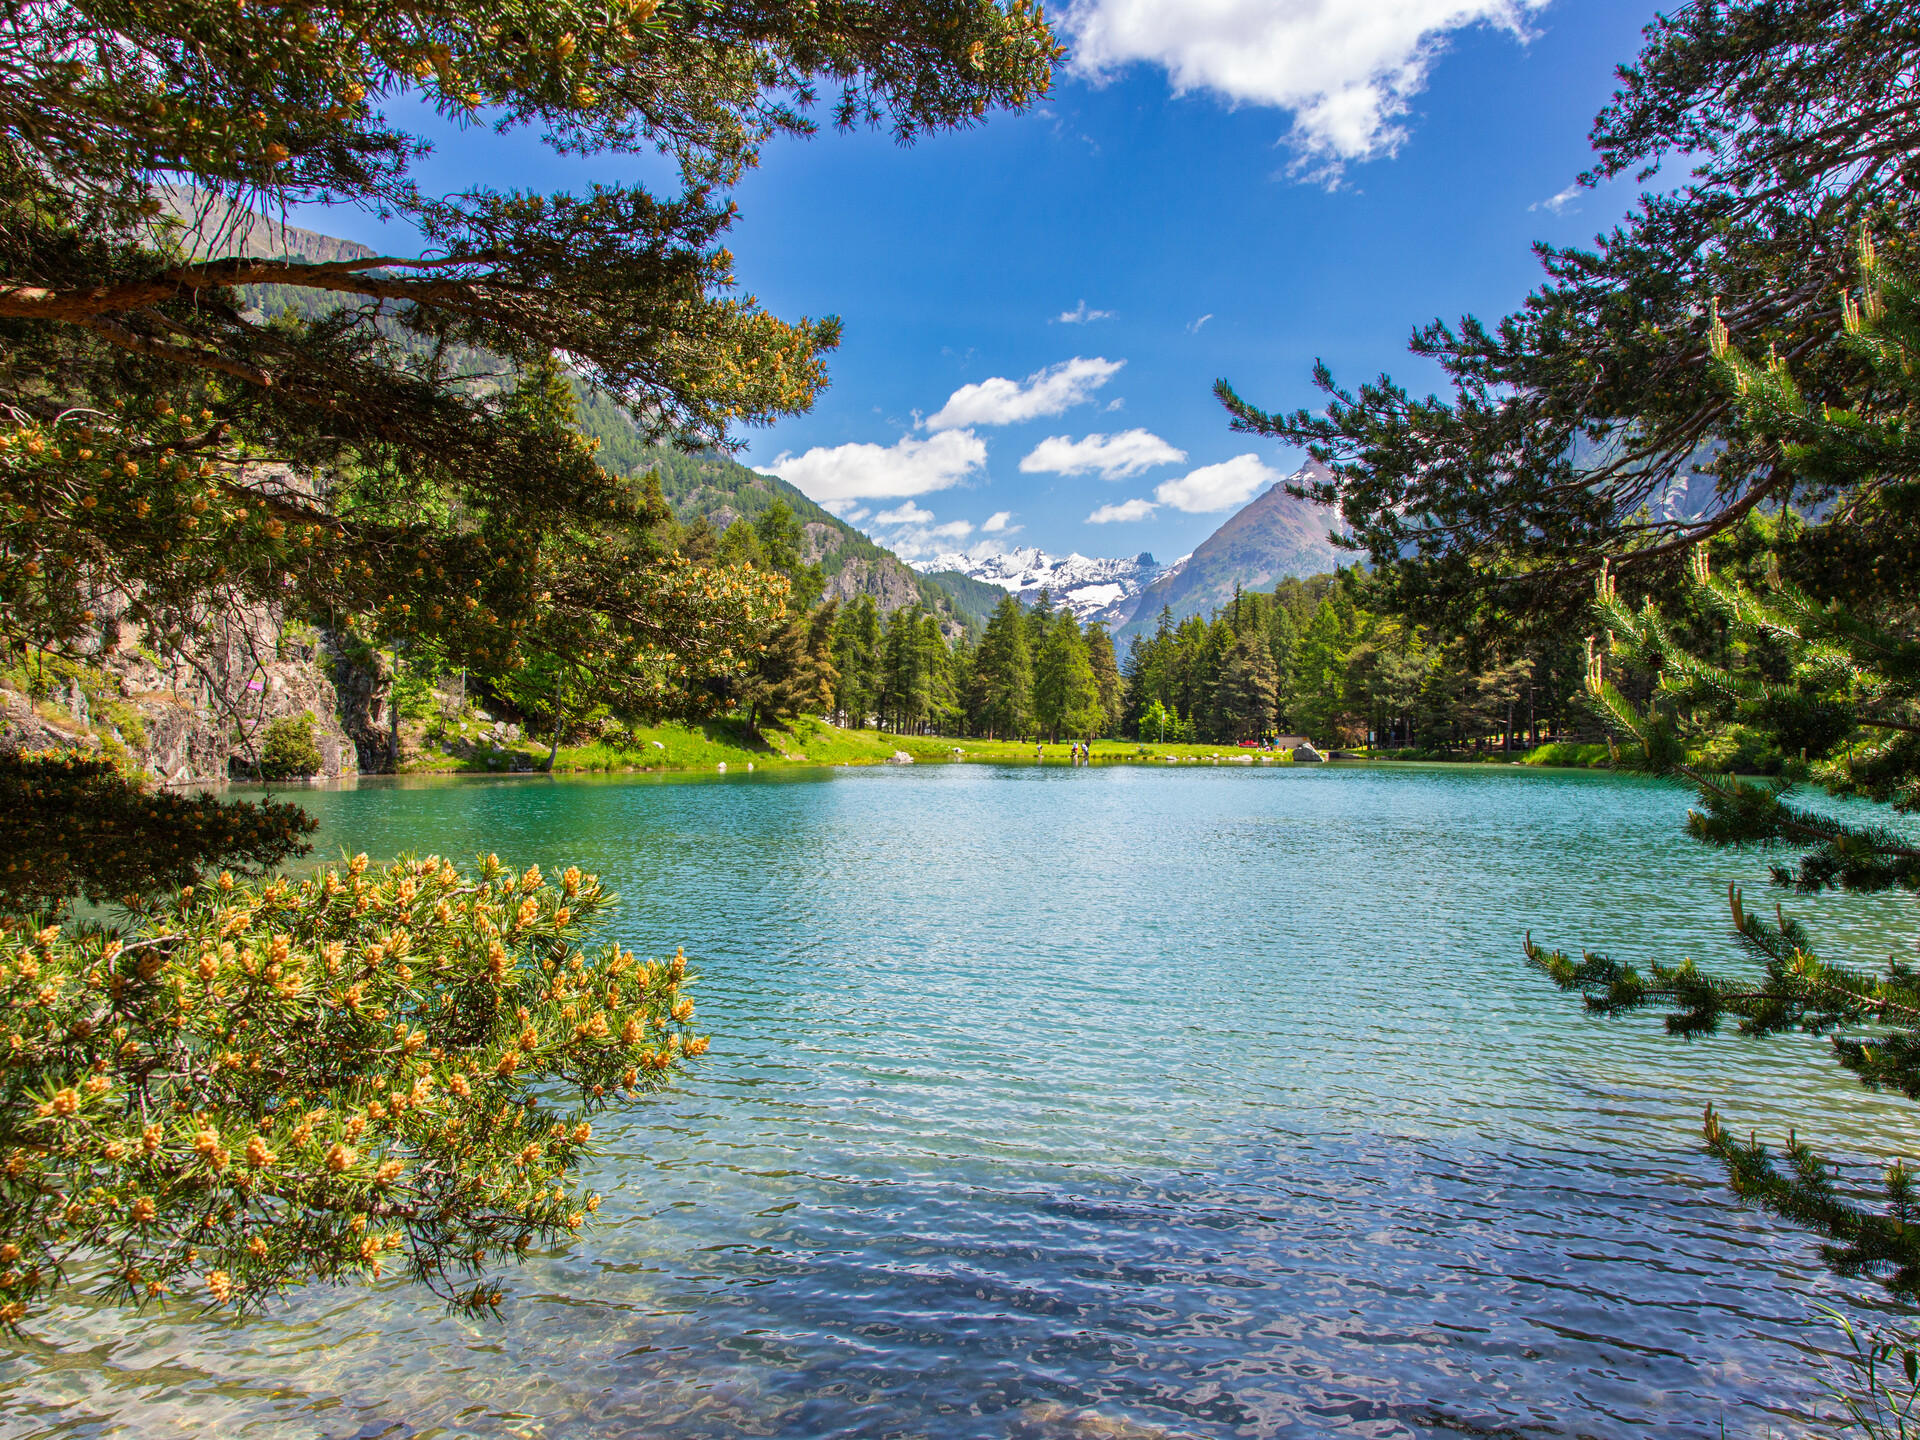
795, 674
1039, 620
1003, 669
1283, 640
1244, 703
906, 681
1570, 421
857, 655
1106, 677
1804, 634
783, 543
1066, 696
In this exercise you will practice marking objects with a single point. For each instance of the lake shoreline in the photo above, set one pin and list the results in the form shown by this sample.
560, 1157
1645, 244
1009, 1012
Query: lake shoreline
730, 745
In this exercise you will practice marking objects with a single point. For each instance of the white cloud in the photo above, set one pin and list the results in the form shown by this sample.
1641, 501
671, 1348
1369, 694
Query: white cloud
1125, 510
1346, 69
1116, 457
1226, 486
1001, 401
1558, 203
1194, 328
913, 534
879, 472
996, 523
1081, 315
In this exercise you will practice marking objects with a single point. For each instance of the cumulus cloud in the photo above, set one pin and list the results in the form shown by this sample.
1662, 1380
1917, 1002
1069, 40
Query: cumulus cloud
1125, 510
830, 475
996, 523
1226, 486
1115, 457
1081, 315
910, 532
1001, 401
1346, 69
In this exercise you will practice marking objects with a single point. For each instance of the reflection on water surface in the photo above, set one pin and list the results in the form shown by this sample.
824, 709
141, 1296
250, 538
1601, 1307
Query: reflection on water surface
1092, 1103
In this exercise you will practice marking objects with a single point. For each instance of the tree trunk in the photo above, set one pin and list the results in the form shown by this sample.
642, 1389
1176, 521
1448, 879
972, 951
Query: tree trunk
559, 723
393, 715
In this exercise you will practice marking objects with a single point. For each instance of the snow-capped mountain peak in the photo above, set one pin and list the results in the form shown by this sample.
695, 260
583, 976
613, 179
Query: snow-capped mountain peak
1091, 588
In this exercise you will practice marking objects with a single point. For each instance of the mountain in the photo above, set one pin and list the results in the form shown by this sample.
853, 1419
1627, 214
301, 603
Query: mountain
212, 225
708, 483
713, 485
974, 599
1274, 536
1092, 589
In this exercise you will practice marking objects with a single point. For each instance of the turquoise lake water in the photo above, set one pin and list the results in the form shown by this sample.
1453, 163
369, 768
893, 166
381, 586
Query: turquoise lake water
1107, 1102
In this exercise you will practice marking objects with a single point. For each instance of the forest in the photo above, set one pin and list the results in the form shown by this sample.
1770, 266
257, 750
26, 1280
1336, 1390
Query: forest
1325, 656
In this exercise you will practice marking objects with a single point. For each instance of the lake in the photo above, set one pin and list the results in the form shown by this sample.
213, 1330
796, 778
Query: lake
1111, 1102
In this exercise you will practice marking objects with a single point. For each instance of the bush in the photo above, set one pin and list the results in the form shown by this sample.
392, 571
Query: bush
1593, 757
261, 1086
289, 749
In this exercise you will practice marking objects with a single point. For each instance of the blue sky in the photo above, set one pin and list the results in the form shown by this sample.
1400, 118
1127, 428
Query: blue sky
1035, 309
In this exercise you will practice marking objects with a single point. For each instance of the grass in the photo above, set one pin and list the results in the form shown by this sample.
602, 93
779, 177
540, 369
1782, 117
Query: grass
1592, 757
805, 742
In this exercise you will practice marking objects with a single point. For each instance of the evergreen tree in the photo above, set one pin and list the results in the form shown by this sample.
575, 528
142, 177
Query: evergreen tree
1283, 640
1106, 678
740, 545
1066, 695
936, 664
784, 544
1571, 421
1824, 663
905, 681
857, 656
1039, 621
1245, 700
795, 674
1003, 670
963, 685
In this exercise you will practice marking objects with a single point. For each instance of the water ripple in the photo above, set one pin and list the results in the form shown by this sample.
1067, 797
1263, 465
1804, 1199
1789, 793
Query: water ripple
1096, 1105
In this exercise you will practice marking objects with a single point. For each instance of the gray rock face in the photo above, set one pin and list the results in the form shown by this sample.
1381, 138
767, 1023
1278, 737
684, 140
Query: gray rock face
196, 716
820, 540
890, 583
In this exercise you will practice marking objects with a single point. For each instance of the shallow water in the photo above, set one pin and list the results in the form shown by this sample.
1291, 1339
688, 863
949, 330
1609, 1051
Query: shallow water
1095, 1103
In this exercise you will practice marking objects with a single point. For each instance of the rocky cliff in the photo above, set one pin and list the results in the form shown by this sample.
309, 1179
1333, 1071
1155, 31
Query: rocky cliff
191, 717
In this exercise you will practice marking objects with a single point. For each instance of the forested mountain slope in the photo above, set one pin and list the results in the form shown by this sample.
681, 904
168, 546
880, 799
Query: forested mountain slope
708, 484
719, 488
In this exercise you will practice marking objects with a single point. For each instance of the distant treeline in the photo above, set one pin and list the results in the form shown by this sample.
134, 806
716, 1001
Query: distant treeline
1319, 657
1310, 657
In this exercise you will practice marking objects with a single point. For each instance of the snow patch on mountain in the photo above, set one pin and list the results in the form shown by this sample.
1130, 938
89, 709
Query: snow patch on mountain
1094, 589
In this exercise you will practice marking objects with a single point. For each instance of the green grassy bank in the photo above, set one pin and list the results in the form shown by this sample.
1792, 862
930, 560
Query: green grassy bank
732, 743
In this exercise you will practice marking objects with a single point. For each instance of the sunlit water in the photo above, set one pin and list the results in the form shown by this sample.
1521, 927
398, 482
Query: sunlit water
1095, 1103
